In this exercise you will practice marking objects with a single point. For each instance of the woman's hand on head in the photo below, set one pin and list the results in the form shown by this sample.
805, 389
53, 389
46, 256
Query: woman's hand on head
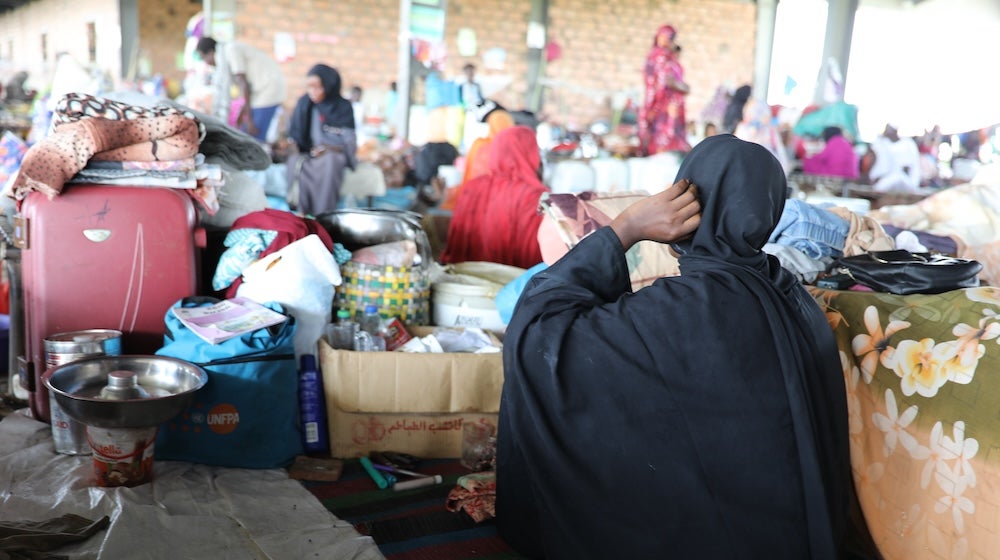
665, 217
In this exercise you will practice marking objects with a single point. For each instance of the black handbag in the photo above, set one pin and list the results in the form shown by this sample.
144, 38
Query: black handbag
902, 272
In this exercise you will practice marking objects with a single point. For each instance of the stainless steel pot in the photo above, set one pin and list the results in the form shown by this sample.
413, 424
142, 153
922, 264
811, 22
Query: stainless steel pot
355, 228
169, 382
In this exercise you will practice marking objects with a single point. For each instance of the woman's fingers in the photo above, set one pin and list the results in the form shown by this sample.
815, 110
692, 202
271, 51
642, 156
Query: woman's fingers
687, 212
679, 187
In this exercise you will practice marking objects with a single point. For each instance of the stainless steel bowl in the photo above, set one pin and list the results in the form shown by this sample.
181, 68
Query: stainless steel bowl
170, 382
355, 228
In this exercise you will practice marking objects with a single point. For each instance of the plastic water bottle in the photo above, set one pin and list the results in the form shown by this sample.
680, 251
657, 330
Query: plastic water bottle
312, 407
371, 323
340, 334
343, 316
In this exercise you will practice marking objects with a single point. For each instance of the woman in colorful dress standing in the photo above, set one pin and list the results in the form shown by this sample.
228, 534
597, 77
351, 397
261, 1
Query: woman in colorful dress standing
661, 120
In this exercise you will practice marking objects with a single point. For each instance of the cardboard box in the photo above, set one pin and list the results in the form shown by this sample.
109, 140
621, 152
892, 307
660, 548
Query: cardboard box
404, 402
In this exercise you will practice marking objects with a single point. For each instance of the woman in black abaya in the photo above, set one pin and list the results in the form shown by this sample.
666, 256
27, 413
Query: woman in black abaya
701, 417
322, 128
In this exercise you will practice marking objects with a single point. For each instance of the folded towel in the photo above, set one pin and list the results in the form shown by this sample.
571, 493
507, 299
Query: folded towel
31, 539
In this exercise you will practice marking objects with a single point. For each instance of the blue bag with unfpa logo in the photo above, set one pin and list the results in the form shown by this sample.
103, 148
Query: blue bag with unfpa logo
247, 415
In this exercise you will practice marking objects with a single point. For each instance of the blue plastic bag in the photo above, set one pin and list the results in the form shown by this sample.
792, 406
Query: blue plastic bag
506, 298
247, 415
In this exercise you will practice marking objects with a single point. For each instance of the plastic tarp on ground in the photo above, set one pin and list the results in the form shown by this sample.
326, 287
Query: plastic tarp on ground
188, 511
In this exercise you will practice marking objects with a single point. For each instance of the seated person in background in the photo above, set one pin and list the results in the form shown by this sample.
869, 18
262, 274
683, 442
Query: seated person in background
322, 130
703, 416
496, 218
428, 159
15, 90
836, 159
477, 158
896, 165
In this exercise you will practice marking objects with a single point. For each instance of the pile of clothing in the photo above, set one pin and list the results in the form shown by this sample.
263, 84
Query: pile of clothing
132, 139
808, 238
97, 140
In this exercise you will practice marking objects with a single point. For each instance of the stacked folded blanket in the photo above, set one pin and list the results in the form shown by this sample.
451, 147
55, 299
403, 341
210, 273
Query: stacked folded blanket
97, 140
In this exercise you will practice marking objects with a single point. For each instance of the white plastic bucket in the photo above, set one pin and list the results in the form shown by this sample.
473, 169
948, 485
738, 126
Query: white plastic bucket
466, 301
494, 272
466, 296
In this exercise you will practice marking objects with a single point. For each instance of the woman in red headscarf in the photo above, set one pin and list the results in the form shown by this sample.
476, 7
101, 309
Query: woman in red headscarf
662, 121
496, 218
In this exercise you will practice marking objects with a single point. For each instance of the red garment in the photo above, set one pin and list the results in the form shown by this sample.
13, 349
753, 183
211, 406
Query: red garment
476, 494
477, 158
496, 218
662, 122
290, 228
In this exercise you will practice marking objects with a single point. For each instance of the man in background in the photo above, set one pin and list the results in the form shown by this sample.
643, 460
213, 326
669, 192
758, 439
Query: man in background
897, 162
261, 83
359, 113
470, 94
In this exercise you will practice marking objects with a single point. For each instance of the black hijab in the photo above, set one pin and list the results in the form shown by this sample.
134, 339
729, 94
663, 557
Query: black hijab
701, 417
334, 110
742, 189
734, 110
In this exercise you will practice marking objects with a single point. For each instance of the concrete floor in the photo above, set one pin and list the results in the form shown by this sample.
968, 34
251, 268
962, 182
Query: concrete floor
8, 403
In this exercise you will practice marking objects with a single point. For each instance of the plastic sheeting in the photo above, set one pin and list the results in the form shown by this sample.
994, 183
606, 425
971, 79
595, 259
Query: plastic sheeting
188, 511
839, 114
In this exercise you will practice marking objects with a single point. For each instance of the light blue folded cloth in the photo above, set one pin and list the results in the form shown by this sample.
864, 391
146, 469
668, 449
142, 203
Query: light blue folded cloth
244, 247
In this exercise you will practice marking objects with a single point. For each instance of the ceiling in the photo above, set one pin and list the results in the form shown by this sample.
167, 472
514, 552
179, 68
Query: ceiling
8, 5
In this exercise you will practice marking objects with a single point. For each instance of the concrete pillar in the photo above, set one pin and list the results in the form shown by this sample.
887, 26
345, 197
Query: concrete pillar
128, 21
837, 43
767, 13
206, 10
538, 19
402, 116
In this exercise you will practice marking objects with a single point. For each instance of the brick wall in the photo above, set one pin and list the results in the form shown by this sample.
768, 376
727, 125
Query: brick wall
604, 45
64, 24
161, 33
498, 24
357, 37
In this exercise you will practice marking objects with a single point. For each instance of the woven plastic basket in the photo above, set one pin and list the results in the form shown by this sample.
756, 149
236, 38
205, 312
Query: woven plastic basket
402, 292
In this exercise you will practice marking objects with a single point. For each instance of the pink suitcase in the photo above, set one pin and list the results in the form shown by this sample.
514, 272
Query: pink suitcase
103, 257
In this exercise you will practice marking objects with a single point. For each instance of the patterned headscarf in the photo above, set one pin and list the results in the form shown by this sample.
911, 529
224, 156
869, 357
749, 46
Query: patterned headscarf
669, 30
